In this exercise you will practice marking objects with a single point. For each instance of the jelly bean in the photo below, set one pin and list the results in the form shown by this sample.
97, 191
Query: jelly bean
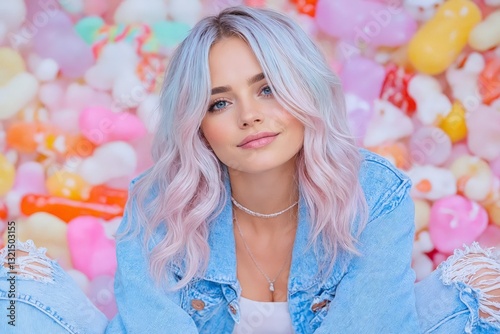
454, 124
16, 94
441, 39
107, 195
46, 230
455, 221
67, 209
66, 184
486, 34
11, 64
7, 175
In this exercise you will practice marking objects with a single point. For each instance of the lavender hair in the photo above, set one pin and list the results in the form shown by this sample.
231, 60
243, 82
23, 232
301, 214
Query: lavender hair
188, 178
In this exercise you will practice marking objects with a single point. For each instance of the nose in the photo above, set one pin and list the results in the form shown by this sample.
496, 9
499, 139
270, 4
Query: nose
249, 114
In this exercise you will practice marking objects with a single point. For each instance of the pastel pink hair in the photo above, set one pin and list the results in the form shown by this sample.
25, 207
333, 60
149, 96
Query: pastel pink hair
186, 178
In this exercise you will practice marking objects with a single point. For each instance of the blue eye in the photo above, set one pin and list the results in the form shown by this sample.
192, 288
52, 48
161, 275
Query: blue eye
218, 105
266, 90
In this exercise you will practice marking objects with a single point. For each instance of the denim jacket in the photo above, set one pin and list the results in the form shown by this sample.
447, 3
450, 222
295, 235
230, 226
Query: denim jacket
371, 293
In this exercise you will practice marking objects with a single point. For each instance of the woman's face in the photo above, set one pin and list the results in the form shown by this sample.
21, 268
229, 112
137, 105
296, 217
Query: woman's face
245, 126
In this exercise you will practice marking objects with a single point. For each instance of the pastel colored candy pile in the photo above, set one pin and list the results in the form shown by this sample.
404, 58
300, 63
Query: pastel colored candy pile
436, 115
79, 90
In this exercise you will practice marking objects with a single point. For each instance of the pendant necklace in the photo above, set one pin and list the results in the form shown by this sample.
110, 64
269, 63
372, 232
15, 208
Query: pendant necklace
269, 280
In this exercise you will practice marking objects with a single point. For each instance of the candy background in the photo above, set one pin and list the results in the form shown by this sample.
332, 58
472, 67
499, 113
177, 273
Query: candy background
79, 95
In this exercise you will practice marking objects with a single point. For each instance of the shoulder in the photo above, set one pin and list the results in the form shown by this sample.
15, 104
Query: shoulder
138, 178
142, 191
383, 184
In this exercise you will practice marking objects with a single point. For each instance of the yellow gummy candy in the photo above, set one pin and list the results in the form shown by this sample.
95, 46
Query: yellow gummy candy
454, 123
439, 41
67, 184
7, 175
11, 64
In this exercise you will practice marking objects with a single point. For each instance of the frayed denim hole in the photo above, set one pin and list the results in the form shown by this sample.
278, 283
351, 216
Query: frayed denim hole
31, 263
476, 273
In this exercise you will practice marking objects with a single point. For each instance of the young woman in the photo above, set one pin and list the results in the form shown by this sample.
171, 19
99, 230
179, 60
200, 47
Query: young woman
260, 215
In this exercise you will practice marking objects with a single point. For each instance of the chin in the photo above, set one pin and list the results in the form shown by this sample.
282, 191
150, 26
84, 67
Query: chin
264, 165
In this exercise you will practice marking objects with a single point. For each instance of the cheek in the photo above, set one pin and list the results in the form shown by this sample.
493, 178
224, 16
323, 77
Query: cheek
294, 126
214, 134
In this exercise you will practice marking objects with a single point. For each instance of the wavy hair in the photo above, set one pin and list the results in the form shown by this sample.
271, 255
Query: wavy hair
187, 177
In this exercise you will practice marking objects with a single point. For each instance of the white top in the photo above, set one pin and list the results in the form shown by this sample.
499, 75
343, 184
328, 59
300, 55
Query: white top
263, 318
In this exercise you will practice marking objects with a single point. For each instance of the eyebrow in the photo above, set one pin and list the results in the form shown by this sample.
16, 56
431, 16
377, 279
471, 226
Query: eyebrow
251, 81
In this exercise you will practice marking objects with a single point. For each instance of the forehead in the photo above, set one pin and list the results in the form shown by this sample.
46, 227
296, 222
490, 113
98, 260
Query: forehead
232, 58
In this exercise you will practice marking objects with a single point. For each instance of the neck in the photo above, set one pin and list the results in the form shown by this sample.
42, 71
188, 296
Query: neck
267, 192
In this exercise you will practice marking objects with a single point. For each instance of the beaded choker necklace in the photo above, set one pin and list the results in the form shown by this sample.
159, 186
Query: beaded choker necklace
261, 215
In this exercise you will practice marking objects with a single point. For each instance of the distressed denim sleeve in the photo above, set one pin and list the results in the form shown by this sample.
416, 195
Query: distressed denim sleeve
142, 306
377, 293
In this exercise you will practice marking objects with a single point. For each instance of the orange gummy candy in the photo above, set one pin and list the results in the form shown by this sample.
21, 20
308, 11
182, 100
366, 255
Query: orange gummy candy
68, 209
106, 195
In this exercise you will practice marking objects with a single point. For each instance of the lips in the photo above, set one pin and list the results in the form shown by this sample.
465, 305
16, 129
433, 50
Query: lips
257, 136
